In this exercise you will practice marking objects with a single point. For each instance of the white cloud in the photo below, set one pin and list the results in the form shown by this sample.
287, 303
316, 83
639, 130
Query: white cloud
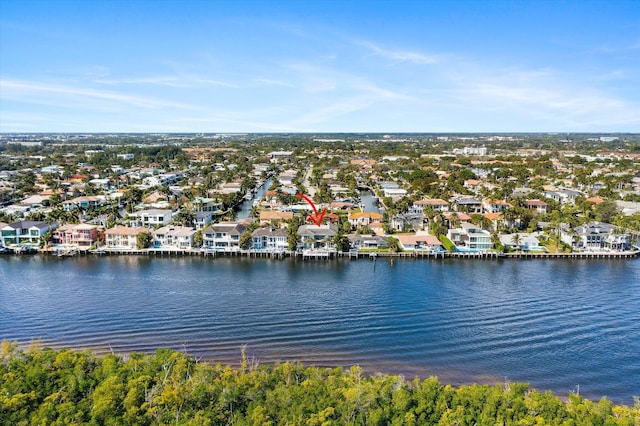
169, 81
401, 55
31, 92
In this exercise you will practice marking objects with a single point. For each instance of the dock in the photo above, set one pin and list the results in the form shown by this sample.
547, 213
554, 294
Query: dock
324, 254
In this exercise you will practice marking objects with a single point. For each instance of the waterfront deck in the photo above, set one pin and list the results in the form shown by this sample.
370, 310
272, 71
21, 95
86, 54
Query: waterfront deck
328, 254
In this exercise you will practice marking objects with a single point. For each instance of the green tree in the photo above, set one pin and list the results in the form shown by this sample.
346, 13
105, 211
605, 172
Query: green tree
144, 240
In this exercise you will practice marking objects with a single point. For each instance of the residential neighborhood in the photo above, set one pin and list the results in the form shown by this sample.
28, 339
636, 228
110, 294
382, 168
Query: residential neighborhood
243, 194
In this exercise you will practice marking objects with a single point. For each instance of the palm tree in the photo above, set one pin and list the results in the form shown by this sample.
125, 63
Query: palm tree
516, 240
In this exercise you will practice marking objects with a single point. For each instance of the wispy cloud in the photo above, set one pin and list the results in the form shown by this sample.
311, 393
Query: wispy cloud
272, 82
29, 91
400, 55
169, 81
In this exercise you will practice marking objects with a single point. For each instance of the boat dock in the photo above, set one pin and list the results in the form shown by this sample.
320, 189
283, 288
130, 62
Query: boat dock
330, 254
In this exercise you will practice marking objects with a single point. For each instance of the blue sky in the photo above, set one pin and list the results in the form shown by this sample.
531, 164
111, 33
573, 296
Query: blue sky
319, 66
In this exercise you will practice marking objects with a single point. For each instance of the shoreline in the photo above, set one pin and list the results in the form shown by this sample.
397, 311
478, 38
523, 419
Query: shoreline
328, 255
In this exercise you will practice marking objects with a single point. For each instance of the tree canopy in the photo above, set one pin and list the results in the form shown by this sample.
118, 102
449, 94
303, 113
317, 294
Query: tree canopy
46, 386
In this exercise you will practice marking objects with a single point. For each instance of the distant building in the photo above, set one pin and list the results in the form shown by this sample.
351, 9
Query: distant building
83, 202
435, 204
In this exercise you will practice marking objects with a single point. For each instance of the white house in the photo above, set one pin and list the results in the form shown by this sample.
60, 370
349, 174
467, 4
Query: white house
597, 236
121, 237
267, 238
174, 237
25, 232
152, 217
223, 236
469, 237
436, 204
316, 237
494, 206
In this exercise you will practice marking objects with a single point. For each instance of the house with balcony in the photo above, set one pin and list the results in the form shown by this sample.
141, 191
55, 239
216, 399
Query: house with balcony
314, 237
494, 206
151, 217
469, 237
404, 222
82, 235
223, 236
434, 204
202, 204
467, 204
25, 232
203, 219
596, 236
536, 206
122, 237
268, 238
174, 237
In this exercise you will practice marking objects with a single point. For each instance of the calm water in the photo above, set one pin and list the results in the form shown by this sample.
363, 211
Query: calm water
554, 323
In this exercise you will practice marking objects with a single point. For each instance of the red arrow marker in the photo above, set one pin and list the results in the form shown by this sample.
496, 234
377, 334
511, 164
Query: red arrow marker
315, 217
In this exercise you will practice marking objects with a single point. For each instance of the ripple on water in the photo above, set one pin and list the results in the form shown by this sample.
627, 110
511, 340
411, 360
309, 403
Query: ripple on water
555, 324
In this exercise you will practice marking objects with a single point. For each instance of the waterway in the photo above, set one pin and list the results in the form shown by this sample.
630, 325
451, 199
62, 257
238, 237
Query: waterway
245, 206
557, 324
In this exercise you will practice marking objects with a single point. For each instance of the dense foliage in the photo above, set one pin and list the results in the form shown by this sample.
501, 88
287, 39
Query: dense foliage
46, 386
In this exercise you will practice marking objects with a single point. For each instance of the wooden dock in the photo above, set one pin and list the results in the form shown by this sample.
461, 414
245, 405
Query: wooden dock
329, 254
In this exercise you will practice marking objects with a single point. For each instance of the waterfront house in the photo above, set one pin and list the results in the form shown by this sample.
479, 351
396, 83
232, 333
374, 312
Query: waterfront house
522, 241
224, 236
341, 205
469, 237
435, 204
268, 238
173, 237
316, 237
367, 242
364, 218
25, 232
287, 177
421, 241
82, 235
596, 236
151, 217
123, 238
